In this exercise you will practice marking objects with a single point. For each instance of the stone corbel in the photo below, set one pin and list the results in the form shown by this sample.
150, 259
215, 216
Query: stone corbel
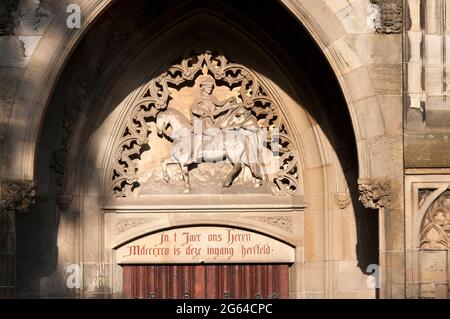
374, 193
17, 196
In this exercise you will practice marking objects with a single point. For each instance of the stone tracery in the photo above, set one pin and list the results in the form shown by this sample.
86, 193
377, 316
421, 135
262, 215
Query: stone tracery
435, 228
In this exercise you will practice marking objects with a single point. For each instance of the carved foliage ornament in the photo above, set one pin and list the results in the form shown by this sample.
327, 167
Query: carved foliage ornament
282, 222
390, 16
125, 224
375, 193
17, 196
435, 228
250, 107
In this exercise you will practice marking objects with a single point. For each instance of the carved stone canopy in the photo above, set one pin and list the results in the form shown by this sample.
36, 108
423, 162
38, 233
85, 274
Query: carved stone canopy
375, 193
203, 86
17, 196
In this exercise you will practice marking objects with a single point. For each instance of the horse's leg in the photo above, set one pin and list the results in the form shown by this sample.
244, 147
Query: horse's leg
164, 164
234, 153
185, 174
232, 175
255, 168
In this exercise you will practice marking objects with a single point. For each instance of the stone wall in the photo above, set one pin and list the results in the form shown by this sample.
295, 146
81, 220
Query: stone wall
22, 25
427, 127
426, 58
390, 58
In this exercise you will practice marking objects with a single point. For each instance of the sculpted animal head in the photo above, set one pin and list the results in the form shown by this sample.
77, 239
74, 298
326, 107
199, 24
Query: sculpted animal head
177, 121
161, 122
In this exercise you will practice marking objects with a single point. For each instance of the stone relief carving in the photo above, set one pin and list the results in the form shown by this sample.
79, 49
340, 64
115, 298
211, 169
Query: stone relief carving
375, 193
342, 200
64, 202
435, 227
390, 16
188, 113
17, 196
423, 195
124, 224
282, 222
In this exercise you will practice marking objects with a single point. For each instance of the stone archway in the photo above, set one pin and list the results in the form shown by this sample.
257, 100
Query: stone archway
324, 168
52, 53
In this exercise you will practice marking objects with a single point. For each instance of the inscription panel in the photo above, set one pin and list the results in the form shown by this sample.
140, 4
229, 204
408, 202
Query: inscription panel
205, 245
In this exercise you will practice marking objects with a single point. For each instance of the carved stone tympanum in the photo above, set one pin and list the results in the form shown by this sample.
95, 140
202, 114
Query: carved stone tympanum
375, 193
205, 122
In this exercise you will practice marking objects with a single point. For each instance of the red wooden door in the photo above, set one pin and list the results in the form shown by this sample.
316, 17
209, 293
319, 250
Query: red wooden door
206, 281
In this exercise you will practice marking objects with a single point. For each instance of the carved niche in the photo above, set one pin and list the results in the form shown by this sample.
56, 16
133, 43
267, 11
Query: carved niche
390, 12
435, 227
177, 133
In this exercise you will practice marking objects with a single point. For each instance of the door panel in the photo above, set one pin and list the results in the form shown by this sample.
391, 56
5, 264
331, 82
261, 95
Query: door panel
206, 281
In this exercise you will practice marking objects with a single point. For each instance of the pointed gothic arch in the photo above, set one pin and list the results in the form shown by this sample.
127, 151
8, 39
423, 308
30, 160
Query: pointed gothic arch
89, 143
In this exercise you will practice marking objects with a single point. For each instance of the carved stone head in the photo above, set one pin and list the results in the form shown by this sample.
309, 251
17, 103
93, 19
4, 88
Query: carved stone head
390, 12
391, 15
206, 83
161, 123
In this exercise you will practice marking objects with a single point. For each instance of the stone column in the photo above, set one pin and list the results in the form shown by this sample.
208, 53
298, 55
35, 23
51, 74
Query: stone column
376, 194
15, 197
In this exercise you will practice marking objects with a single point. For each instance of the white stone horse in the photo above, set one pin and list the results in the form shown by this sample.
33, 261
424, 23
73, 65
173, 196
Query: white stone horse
182, 136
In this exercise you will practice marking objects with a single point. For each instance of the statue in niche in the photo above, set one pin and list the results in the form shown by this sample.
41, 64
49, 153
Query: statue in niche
219, 131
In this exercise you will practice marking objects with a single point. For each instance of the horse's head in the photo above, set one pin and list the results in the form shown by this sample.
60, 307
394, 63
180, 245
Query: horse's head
161, 123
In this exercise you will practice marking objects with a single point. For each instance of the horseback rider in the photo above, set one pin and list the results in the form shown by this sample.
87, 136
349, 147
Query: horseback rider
204, 111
